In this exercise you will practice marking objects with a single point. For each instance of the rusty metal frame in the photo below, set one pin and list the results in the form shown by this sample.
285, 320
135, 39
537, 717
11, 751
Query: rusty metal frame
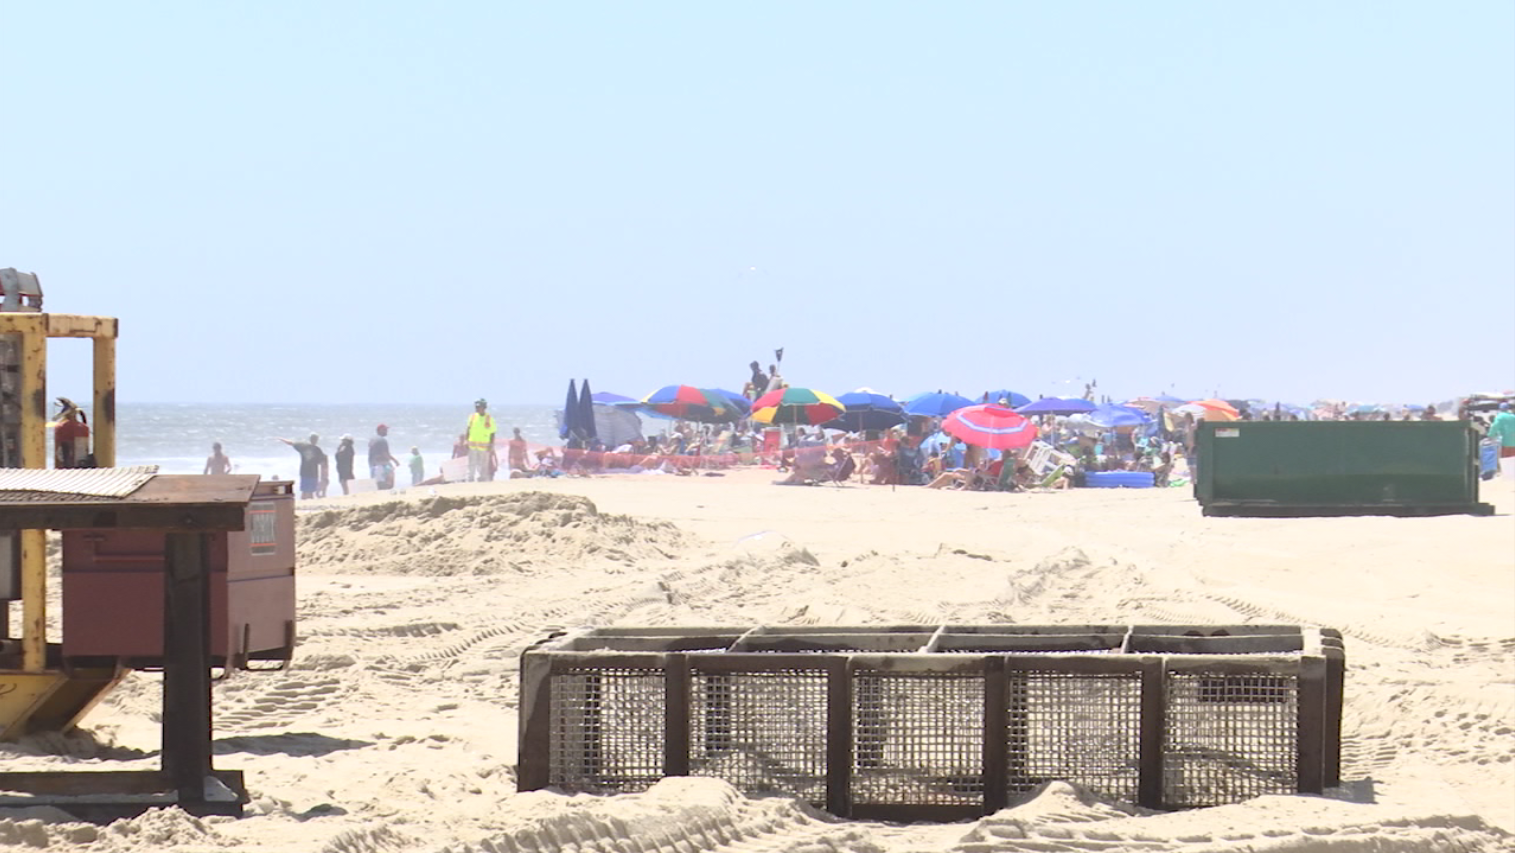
187, 509
1151, 654
34, 331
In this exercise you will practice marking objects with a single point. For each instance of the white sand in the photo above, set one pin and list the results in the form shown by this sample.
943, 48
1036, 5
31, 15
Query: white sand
396, 727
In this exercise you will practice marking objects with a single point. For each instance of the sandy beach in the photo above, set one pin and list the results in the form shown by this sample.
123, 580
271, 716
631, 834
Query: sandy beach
395, 728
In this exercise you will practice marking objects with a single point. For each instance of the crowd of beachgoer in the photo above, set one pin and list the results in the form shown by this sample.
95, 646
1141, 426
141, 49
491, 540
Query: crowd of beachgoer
916, 452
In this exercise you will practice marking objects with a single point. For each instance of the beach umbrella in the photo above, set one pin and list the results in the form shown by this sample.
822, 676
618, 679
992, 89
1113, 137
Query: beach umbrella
867, 410
689, 403
1057, 406
1153, 405
1111, 415
615, 425
585, 421
605, 398
935, 404
570, 411
1211, 410
741, 403
796, 406
991, 426
1224, 409
1011, 398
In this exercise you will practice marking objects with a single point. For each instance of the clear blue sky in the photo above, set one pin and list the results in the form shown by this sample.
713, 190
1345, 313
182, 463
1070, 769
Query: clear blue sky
400, 202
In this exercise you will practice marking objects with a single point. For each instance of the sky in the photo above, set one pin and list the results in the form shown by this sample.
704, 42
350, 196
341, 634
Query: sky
399, 202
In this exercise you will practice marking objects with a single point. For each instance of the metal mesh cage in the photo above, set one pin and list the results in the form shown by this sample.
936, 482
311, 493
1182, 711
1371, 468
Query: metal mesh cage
907, 724
918, 738
1229, 737
764, 732
607, 732
1080, 728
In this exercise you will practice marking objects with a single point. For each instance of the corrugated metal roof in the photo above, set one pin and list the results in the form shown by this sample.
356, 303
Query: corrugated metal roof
93, 482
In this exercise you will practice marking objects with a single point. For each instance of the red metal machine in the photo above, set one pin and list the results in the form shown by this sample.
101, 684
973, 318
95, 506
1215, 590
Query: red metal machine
113, 590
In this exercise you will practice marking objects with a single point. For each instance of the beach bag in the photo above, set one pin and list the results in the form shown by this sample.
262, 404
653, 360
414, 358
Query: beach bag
1488, 459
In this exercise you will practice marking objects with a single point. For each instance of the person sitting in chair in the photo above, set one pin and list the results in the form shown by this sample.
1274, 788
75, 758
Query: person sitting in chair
842, 465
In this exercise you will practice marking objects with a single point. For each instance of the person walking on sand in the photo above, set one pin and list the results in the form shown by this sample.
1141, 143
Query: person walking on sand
217, 462
480, 432
345, 453
382, 463
312, 465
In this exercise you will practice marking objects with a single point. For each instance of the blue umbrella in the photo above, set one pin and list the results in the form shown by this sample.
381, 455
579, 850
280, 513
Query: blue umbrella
605, 398
936, 404
741, 403
867, 411
1057, 406
1011, 398
570, 411
1110, 415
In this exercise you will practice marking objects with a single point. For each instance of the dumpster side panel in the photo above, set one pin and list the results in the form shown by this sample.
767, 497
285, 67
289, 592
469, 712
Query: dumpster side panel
1338, 464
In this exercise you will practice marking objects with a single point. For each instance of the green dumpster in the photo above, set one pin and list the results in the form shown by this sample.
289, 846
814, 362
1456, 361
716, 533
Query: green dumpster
1304, 468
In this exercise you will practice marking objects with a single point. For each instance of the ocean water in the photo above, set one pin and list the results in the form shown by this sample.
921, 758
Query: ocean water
177, 436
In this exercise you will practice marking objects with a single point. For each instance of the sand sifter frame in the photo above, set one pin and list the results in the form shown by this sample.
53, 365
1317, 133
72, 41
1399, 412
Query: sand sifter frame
943, 722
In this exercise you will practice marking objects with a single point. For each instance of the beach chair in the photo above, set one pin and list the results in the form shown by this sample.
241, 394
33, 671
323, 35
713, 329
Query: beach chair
909, 466
810, 464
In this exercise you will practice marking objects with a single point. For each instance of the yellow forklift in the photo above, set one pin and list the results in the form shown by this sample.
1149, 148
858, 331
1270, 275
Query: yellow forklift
38, 693
178, 573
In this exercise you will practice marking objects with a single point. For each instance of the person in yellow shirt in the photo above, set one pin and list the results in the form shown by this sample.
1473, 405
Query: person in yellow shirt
480, 432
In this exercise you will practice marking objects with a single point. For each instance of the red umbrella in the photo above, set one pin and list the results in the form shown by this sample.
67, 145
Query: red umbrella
691, 404
991, 426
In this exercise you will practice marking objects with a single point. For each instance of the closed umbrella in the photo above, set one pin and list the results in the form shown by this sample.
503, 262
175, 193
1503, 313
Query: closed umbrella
796, 406
585, 422
570, 411
994, 427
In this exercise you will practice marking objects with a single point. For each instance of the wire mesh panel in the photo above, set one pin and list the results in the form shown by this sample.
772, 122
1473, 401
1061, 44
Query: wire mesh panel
1075, 727
918, 738
899, 723
1230, 738
764, 732
607, 730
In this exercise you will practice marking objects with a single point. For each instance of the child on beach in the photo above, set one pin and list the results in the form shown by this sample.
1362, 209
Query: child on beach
417, 467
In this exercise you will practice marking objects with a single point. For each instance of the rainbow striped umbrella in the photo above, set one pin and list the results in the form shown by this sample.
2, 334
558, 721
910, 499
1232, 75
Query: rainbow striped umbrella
796, 406
990, 426
689, 403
